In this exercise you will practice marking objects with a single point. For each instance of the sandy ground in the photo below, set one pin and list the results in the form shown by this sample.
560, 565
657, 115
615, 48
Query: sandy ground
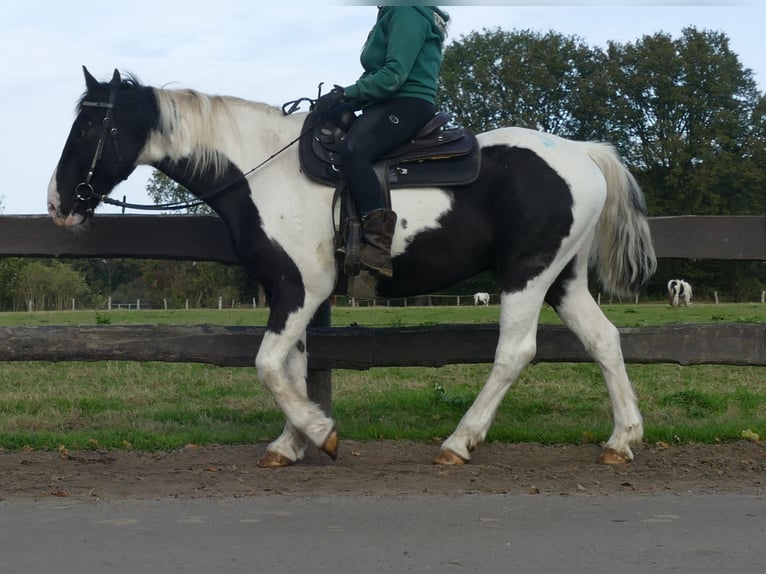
380, 468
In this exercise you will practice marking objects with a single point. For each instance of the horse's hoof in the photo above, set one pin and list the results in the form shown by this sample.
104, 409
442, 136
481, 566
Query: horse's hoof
330, 445
449, 457
274, 460
611, 456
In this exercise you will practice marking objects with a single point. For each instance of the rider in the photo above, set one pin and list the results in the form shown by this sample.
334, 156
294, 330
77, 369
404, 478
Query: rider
397, 95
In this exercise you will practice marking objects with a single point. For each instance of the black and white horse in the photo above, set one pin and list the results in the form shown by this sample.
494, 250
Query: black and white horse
541, 208
481, 297
679, 292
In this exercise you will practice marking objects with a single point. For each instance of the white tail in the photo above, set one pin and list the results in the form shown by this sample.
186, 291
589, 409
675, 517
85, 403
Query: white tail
622, 253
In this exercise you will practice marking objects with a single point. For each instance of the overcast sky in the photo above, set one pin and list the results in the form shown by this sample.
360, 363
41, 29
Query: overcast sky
270, 54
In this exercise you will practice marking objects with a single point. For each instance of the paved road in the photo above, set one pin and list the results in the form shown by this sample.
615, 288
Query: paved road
358, 534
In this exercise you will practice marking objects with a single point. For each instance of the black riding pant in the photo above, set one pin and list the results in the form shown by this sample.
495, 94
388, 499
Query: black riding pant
381, 128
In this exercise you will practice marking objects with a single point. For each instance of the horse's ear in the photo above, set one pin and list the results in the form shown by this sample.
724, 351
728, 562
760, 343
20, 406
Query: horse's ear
90, 82
116, 78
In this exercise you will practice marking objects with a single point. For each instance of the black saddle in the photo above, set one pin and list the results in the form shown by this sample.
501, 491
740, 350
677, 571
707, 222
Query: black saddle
435, 156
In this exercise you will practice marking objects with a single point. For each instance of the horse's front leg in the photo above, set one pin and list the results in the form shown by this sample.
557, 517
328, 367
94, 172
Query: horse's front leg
291, 444
282, 368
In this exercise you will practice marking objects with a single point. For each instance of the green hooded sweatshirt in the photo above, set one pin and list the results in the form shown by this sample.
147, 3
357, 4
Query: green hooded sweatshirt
402, 56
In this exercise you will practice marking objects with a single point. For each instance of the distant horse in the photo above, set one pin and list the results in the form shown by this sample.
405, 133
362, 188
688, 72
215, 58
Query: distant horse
481, 298
541, 207
679, 292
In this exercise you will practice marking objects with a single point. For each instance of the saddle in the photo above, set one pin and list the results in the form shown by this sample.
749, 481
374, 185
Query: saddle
436, 156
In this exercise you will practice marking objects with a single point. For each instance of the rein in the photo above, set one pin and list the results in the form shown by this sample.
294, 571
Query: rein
85, 192
200, 200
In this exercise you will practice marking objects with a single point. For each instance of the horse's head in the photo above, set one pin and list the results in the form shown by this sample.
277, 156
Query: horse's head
100, 152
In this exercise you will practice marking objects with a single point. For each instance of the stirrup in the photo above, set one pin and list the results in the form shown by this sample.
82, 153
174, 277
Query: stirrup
351, 263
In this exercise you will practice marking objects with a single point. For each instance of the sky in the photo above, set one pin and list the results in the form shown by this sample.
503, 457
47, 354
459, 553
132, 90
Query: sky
271, 53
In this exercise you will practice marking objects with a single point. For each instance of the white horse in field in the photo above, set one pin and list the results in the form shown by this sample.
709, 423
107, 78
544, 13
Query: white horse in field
481, 298
679, 292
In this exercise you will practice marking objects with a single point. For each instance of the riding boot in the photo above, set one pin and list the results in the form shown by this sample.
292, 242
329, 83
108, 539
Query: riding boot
377, 232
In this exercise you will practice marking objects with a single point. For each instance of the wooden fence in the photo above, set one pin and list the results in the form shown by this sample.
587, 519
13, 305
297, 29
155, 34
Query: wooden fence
189, 237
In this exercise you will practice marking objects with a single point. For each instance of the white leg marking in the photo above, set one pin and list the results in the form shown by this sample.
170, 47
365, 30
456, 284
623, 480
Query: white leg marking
516, 347
292, 443
283, 374
602, 341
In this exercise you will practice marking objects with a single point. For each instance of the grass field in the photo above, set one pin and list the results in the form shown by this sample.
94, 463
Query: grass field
623, 315
154, 406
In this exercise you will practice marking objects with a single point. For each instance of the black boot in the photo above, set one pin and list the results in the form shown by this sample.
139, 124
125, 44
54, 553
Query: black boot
377, 232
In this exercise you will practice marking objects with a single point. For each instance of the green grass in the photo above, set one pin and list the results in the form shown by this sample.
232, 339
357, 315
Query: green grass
156, 406
624, 315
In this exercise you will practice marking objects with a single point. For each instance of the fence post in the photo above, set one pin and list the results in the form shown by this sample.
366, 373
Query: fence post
220, 303
72, 303
319, 381
763, 296
715, 293
138, 304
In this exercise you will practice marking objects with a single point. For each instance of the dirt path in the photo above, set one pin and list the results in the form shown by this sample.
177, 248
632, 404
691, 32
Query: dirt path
381, 468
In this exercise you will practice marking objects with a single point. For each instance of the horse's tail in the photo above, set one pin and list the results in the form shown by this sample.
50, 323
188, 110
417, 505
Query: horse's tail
622, 253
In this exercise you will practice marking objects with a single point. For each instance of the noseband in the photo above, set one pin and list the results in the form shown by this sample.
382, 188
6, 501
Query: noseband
84, 190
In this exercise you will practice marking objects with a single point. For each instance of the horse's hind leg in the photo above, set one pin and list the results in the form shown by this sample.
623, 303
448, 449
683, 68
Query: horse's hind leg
601, 340
516, 347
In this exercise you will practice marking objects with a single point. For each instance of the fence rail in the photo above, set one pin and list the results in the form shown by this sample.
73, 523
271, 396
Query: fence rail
204, 237
191, 237
361, 348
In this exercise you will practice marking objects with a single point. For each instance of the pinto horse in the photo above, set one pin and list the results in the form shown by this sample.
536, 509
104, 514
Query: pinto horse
679, 292
541, 209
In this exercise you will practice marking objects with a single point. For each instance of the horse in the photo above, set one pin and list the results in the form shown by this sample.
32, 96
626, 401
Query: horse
679, 292
482, 298
541, 210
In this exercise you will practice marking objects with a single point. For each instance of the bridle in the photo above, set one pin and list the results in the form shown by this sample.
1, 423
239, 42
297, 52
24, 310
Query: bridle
86, 194
84, 190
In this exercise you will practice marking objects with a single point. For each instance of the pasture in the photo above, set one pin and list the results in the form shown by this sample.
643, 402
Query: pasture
157, 406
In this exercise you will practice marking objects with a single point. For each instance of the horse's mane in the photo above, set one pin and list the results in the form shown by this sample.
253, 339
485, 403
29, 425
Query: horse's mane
198, 126
192, 125
193, 122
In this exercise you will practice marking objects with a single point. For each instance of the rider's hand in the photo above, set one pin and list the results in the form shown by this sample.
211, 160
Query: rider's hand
330, 100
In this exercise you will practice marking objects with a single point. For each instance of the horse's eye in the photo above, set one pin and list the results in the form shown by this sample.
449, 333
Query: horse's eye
84, 130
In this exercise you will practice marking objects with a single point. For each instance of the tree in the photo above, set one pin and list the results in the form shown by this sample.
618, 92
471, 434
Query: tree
681, 112
548, 82
49, 285
10, 268
163, 190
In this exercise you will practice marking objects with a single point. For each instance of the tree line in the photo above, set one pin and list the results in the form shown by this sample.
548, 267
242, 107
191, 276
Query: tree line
686, 116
